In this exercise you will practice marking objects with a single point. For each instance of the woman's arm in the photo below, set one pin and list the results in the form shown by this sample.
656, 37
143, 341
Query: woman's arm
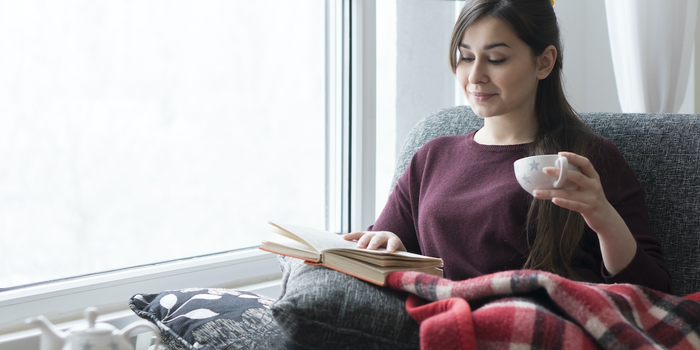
629, 250
617, 245
395, 227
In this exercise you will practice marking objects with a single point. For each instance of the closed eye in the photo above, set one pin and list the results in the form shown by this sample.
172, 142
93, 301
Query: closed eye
471, 59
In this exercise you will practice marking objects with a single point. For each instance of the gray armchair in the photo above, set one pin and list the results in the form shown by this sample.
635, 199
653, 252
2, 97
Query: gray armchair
662, 149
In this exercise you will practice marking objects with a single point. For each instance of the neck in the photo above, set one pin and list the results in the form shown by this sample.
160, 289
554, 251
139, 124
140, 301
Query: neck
499, 131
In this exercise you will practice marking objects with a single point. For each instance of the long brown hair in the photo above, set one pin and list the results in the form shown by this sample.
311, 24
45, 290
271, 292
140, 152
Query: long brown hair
557, 231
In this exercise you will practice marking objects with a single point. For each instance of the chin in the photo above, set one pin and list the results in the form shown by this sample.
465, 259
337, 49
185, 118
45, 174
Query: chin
481, 111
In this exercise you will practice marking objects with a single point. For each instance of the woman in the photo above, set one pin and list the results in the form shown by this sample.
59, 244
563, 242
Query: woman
459, 199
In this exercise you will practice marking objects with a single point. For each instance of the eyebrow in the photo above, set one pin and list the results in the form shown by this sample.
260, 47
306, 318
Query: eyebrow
487, 47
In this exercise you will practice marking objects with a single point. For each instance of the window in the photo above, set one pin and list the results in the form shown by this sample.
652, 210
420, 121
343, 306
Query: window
140, 132
187, 125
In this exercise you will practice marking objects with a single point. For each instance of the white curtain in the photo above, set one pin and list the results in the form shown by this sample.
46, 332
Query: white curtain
651, 43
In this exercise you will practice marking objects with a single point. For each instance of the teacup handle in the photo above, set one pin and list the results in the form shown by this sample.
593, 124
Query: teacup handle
563, 164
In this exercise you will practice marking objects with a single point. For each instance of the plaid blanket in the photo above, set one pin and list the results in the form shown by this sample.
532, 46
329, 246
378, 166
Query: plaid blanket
535, 309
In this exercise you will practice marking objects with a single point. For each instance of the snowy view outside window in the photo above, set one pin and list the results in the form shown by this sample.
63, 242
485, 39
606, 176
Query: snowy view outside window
133, 132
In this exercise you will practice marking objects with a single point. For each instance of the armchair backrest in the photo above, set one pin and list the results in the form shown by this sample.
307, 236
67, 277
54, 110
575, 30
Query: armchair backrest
663, 150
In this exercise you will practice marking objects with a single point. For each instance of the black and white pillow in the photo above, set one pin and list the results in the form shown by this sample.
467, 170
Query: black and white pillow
212, 318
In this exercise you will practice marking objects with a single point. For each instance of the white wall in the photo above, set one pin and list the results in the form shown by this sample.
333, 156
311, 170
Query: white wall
588, 70
425, 83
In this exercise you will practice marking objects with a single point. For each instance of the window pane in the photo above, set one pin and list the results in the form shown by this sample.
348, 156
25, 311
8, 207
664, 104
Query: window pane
133, 132
386, 101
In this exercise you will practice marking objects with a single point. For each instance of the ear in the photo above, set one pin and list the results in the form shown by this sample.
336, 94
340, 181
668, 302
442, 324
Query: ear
545, 62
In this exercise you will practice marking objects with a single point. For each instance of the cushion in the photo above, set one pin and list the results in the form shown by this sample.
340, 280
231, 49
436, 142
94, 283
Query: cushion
212, 318
320, 308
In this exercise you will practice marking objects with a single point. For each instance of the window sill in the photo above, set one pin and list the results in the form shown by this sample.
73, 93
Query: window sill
64, 301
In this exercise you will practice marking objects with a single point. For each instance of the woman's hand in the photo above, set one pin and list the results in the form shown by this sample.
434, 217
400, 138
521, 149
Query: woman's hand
583, 192
374, 240
587, 197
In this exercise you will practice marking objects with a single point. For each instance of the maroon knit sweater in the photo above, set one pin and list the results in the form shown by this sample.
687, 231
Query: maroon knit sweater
460, 201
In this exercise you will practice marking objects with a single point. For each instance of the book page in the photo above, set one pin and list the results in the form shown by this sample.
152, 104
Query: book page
384, 258
371, 273
317, 239
285, 246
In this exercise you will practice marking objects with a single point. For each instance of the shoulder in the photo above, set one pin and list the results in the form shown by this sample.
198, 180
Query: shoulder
603, 144
439, 153
604, 154
619, 182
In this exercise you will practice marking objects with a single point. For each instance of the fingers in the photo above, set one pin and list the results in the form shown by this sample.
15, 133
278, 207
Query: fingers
583, 163
582, 191
576, 206
353, 236
586, 179
364, 238
586, 195
574, 179
374, 240
395, 244
366, 241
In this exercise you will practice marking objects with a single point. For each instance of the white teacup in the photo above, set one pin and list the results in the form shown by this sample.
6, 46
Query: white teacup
530, 176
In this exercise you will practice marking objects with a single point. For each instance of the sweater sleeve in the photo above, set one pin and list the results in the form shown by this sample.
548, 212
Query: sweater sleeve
400, 212
626, 195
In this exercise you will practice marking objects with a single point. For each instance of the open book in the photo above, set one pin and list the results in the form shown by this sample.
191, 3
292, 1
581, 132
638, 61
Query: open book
319, 247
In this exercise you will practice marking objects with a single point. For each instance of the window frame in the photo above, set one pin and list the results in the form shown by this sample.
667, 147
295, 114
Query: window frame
350, 114
65, 301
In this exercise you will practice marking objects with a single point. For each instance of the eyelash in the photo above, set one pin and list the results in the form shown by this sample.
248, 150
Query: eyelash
491, 61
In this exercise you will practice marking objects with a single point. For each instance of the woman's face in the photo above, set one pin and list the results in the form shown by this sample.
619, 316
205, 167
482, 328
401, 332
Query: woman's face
497, 70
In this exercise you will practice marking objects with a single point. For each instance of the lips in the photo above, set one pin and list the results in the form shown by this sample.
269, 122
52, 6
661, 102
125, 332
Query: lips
481, 96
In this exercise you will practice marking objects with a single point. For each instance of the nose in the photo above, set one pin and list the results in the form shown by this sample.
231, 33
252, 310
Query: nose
477, 74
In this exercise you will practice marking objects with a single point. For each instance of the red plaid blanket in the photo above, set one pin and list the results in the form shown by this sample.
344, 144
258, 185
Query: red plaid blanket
535, 309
